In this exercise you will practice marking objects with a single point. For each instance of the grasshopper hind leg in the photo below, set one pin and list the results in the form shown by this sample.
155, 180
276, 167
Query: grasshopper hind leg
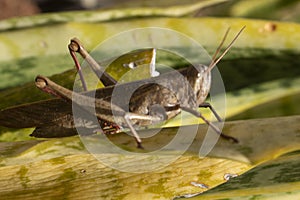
76, 47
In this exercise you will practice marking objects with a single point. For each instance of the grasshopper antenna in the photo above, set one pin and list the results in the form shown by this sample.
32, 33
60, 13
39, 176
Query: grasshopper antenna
220, 46
215, 62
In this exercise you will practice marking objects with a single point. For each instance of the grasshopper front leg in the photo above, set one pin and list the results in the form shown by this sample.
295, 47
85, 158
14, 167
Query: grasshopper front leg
208, 105
215, 128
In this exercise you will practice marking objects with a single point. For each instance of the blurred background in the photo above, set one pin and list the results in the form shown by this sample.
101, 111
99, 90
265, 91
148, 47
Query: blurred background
268, 9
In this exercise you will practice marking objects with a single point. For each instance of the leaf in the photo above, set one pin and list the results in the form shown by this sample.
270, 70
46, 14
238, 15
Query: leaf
273, 10
39, 53
177, 9
275, 179
47, 166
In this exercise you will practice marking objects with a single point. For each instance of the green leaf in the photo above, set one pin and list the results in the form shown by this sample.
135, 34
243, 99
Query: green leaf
275, 179
154, 8
30, 167
45, 49
268, 9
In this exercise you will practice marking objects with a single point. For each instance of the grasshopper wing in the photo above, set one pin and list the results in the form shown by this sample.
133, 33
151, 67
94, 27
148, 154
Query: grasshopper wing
36, 114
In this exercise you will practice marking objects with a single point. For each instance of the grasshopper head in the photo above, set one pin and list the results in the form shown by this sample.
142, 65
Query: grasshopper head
199, 78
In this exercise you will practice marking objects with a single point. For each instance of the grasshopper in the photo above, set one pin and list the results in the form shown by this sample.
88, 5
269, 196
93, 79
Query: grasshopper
153, 101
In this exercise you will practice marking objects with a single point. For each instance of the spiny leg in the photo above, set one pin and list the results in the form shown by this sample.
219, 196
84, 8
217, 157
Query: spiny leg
214, 127
104, 77
78, 67
208, 105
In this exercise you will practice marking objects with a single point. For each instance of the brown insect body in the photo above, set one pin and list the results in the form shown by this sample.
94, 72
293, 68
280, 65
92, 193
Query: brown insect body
152, 101
171, 91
